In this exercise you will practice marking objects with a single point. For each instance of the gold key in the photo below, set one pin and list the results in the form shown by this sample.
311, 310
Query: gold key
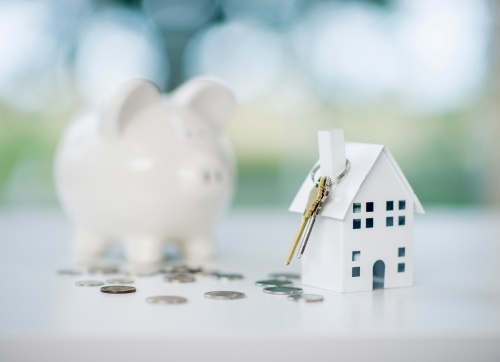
312, 219
315, 198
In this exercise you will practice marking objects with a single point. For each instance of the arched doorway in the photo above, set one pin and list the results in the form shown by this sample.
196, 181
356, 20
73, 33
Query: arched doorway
378, 274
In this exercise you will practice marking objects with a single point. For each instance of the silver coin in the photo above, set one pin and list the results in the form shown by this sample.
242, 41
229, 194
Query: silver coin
228, 276
166, 299
118, 289
306, 298
119, 281
89, 283
283, 290
208, 272
179, 278
70, 272
224, 294
273, 282
284, 276
174, 269
102, 269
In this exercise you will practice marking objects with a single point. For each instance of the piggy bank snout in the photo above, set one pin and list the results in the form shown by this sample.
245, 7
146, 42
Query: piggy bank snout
205, 173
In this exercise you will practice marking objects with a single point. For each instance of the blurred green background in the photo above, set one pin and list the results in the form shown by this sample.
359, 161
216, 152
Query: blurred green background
418, 76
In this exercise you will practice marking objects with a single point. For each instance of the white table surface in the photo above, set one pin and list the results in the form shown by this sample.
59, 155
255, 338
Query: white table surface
452, 313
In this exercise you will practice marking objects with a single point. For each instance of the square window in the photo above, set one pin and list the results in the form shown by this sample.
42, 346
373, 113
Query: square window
356, 255
389, 221
401, 268
401, 252
369, 223
389, 205
369, 207
401, 220
356, 271
402, 205
356, 207
356, 224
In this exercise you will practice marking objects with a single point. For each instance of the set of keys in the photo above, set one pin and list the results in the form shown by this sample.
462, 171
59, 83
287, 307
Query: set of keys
317, 198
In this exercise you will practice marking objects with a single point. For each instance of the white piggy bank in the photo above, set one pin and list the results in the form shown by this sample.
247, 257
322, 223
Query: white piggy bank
147, 169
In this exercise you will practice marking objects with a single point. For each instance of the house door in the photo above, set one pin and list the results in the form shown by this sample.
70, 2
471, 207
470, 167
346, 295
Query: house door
378, 274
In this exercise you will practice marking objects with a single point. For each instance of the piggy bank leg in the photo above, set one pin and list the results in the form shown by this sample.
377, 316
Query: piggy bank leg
144, 250
199, 248
88, 246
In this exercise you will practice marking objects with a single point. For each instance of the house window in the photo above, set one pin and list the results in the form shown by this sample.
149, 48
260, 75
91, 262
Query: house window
356, 207
356, 255
369, 207
401, 268
389, 205
401, 252
402, 204
356, 224
389, 221
369, 223
401, 220
356, 271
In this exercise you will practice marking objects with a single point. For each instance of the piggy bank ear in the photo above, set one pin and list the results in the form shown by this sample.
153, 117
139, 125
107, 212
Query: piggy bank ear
209, 98
126, 101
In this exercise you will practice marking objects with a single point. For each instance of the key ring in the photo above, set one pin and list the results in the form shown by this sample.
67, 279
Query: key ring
335, 179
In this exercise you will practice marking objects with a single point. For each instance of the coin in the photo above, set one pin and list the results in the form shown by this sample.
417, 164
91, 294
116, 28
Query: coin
283, 290
224, 294
119, 281
174, 269
70, 272
179, 278
306, 298
228, 276
273, 282
89, 283
285, 276
118, 289
166, 299
102, 269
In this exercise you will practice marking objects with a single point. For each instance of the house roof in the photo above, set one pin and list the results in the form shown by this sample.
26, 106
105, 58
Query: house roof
362, 157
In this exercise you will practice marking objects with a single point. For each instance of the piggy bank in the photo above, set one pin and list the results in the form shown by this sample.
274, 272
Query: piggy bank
146, 169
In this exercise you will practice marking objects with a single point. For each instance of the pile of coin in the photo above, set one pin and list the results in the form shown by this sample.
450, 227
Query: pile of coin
279, 284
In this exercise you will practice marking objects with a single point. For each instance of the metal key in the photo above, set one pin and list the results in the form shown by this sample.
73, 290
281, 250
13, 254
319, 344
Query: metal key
315, 198
312, 220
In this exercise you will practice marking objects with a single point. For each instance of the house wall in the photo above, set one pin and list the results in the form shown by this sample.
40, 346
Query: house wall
380, 242
322, 263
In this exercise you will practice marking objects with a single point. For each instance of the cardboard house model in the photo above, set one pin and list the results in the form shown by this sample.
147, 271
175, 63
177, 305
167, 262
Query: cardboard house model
363, 235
